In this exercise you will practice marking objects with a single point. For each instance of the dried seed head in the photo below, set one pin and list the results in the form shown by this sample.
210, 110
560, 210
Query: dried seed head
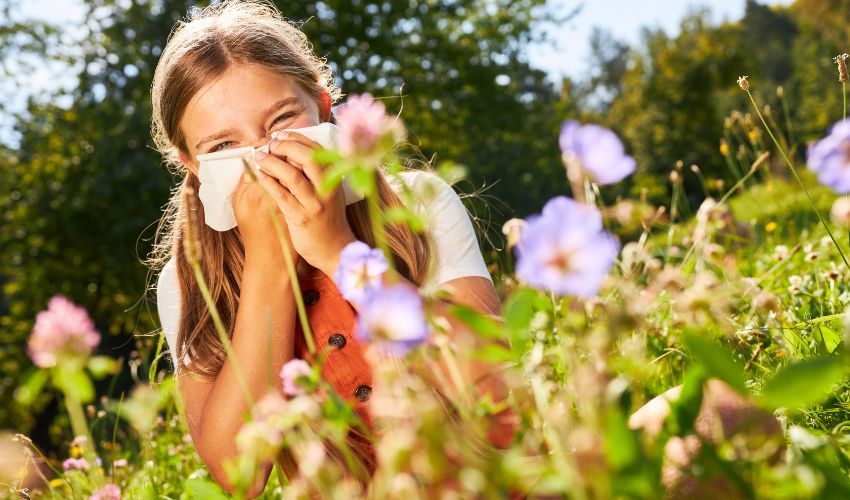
766, 302
694, 169
22, 439
743, 83
780, 91
841, 61
191, 244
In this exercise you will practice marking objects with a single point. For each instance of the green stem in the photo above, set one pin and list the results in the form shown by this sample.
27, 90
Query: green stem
376, 219
80, 428
788, 124
78, 421
293, 279
219, 328
454, 372
742, 180
799, 181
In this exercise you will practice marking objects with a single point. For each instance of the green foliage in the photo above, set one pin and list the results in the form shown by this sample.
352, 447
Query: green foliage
716, 361
84, 185
803, 383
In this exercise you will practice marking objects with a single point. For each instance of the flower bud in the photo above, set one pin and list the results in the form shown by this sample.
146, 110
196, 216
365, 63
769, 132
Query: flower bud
840, 212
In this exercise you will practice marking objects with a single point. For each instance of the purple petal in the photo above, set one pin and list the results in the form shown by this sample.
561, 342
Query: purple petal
565, 249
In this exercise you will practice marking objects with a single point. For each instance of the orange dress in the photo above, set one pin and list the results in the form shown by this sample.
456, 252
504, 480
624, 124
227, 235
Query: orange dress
333, 322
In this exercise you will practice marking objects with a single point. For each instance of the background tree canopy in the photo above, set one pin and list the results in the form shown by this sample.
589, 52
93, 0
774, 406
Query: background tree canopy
82, 187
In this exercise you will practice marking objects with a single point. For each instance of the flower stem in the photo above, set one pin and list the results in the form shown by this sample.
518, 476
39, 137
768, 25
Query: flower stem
844, 95
799, 181
743, 179
219, 328
293, 278
376, 219
788, 124
80, 428
454, 372
78, 420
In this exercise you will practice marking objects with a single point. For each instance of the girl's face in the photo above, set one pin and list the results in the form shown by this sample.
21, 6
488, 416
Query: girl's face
243, 108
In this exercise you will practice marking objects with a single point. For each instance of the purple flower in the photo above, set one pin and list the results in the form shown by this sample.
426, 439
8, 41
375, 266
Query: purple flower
393, 318
829, 158
565, 249
360, 270
75, 464
64, 330
596, 151
363, 122
291, 371
108, 492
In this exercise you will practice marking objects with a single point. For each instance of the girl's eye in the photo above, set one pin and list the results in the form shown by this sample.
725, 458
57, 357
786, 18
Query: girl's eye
285, 115
218, 147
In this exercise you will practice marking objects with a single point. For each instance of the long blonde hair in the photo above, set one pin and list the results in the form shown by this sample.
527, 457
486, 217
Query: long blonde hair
198, 52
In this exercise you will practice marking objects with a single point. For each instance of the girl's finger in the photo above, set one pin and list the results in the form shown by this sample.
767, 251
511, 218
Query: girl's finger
284, 199
291, 178
298, 151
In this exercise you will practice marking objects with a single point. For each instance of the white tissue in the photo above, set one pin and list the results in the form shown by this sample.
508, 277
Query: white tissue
220, 173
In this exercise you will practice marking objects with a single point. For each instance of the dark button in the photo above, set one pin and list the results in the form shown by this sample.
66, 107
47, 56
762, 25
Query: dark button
362, 393
336, 340
311, 297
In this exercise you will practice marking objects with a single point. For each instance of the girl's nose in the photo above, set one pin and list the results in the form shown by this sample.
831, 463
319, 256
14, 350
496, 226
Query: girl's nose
262, 141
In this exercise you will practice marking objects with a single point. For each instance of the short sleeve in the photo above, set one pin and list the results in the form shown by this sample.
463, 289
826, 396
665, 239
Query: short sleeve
168, 305
456, 253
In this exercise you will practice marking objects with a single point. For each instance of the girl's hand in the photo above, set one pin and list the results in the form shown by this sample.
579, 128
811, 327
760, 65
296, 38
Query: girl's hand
318, 225
254, 220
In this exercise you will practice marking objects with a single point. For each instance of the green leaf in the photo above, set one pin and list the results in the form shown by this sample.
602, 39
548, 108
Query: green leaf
492, 353
804, 383
360, 179
621, 443
480, 324
831, 338
716, 360
331, 179
30, 388
519, 310
404, 214
101, 366
75, 384
202, 489
327, 156
685, 408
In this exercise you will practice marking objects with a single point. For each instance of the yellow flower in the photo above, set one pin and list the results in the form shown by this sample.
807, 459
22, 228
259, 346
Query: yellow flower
56, 483
76, 452
753, 135
771, 226
724, 148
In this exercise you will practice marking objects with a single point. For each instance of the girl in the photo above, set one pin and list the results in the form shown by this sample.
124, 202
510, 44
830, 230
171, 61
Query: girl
230, 77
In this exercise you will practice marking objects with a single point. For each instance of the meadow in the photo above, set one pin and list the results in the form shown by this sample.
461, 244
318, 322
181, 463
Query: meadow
740, 300
657, 225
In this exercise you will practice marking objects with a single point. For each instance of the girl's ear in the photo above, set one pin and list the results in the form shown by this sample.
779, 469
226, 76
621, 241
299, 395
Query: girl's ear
187, 163
326, 105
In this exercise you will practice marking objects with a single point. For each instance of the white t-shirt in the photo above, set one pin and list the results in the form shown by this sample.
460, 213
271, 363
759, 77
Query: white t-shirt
455, 247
